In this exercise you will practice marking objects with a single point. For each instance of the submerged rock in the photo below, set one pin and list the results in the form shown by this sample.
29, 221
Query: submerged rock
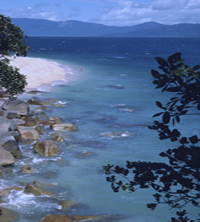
118, 86
93, 144
46, 148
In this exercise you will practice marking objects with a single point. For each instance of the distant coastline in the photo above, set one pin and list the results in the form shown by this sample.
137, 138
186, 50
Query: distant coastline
71, 28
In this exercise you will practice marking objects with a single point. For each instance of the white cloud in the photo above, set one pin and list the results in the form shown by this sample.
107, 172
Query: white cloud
165, 4
114, 12
161, 11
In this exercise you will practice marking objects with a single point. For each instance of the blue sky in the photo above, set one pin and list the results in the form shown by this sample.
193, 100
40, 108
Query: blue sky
107, 12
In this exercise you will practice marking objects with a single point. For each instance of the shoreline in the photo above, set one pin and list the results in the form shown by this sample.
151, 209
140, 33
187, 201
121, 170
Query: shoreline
40, 72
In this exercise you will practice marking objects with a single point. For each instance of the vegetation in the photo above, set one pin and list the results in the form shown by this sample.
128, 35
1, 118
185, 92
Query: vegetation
12, 41
177, 181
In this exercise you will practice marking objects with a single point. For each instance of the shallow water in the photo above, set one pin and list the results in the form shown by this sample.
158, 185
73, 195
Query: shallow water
113, 93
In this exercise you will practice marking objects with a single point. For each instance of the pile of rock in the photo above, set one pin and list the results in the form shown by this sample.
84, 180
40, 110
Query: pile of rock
18, 125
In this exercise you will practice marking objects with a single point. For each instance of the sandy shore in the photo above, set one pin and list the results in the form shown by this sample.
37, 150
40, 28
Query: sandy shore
38, 71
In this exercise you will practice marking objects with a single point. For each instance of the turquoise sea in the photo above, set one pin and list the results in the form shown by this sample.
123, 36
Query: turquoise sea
113, 93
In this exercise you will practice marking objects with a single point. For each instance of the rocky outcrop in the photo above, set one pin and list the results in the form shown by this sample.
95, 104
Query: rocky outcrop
46, 148
16, 105
6, 158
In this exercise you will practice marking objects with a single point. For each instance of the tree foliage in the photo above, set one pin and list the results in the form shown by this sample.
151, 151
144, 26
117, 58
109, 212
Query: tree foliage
176, 183
12, 40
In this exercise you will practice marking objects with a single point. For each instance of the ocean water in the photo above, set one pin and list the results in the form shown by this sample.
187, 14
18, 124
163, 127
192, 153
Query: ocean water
113, 93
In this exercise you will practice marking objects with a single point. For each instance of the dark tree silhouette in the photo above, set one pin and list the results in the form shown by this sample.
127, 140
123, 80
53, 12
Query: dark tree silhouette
176, 183
12, 40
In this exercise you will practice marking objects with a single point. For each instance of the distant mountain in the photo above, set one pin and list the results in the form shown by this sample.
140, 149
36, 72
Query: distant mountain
42, 27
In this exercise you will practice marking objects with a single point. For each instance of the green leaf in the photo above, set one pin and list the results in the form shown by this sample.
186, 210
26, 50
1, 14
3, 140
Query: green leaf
173, 89
174, 58
157, 114
155, 74
196, 67
161, 61
159, 104
166, 118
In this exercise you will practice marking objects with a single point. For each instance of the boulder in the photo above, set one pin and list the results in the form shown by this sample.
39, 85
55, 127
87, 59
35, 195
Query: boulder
30, 121
16, 105
12, 147
8, 215
28, 169
40, 187
56, 119
10, 135
19, 122
39, 101
8, 114
28, 133
7, 125
6, 158
65, 218
40, 129
37, 191
58, 139
65, 126
46, 148
40, 114
49, 122
66, 204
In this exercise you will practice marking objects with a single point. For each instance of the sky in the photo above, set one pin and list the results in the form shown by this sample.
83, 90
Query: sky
107, 12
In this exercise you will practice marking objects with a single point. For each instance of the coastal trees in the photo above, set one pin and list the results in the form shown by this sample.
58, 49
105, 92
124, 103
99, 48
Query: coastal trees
175, 182
12, 40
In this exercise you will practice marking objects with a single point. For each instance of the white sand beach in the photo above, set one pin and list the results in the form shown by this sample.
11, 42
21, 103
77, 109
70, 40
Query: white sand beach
38, 71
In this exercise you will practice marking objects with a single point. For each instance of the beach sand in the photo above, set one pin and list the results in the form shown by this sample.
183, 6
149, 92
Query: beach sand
38, 71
